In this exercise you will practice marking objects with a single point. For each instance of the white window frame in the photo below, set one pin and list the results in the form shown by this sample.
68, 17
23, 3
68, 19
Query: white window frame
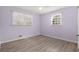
59, 20
22, 19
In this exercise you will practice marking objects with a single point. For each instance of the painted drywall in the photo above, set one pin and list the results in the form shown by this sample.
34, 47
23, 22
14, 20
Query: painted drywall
67, 31
10, 32
0, 30
41, 25
78, 27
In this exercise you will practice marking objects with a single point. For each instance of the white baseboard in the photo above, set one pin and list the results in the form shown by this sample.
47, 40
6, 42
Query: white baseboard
19, 38
60, 38
37, 35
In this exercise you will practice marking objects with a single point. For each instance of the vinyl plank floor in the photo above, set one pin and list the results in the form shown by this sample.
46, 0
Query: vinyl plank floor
39, 44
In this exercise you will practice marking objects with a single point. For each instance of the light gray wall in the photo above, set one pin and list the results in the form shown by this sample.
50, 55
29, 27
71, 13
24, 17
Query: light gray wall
41, 25
67, 30
10, 32
1, 26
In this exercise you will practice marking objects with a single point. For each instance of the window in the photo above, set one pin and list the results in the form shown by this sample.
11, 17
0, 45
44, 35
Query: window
21, 19
56, 19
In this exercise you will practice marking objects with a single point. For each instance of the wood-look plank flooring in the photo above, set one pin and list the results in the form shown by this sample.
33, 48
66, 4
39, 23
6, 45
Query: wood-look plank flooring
39, 44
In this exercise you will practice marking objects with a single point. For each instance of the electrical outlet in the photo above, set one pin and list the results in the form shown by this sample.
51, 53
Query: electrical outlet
20, 35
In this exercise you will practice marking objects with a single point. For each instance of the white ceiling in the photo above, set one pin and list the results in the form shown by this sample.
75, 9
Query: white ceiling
45, 9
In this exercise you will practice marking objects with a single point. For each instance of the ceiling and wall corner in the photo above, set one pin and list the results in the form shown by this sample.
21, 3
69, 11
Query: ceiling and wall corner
41, 9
